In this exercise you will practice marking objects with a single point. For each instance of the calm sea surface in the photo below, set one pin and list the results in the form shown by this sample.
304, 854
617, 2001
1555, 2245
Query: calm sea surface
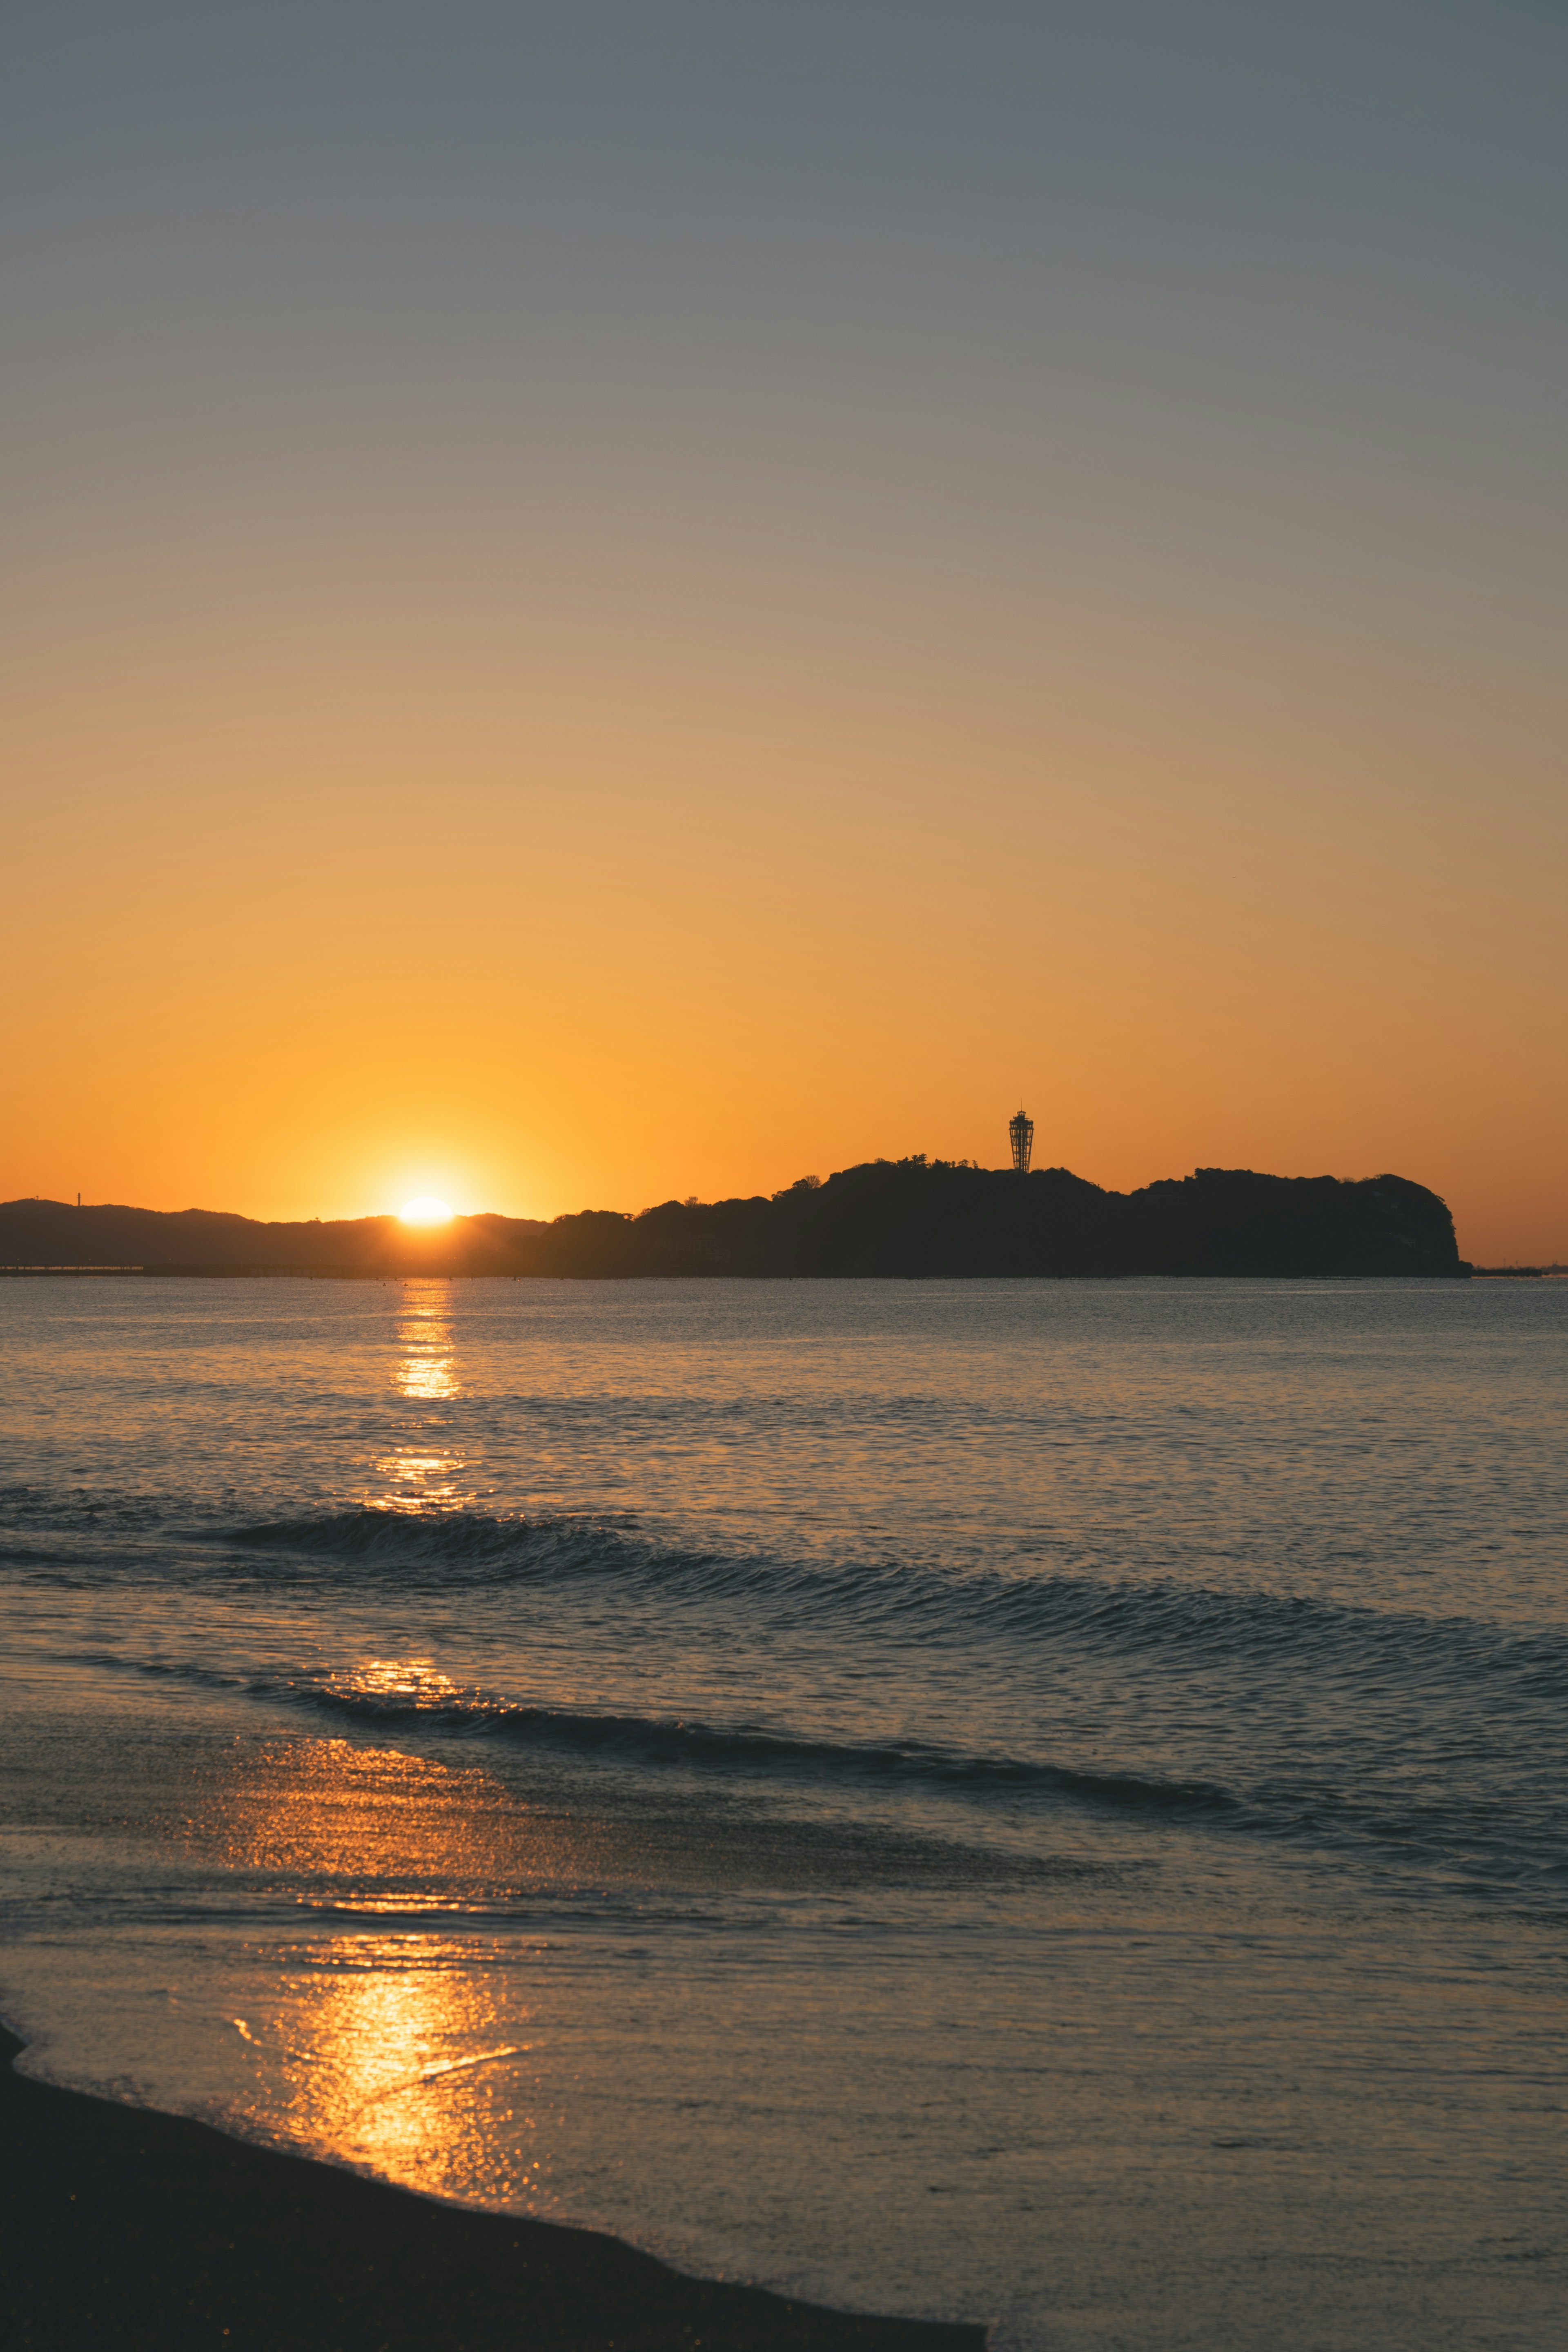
1037, 1802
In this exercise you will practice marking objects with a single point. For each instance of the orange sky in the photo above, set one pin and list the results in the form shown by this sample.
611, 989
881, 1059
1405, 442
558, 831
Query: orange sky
734, 708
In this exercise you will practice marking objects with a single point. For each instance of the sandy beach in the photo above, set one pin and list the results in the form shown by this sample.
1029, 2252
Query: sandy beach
129, 2229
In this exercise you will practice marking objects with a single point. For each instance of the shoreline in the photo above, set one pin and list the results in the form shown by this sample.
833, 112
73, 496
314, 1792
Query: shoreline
385, 1276
133, 2230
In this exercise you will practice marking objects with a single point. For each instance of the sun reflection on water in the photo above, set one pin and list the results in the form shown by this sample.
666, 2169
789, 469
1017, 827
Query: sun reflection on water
395, 1678
421, 1481
339, 1826
427, 1370
328, 1815
401, 2037
422, 1472
407, 2054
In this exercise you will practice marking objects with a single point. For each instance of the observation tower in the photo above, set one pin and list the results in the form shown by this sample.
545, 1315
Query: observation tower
1021, 1129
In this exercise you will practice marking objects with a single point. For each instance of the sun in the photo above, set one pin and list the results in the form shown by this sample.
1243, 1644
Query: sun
425, 1209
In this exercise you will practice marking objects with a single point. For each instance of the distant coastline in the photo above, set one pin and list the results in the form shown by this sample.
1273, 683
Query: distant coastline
898, 1219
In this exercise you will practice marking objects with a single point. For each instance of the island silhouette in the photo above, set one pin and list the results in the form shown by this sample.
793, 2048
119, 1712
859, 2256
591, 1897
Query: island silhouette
904, 1218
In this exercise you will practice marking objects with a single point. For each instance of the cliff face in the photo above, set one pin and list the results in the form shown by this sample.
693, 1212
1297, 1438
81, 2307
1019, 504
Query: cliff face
907, 1217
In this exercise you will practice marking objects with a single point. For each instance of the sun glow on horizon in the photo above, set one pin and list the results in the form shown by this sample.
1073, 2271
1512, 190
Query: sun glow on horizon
425, 1209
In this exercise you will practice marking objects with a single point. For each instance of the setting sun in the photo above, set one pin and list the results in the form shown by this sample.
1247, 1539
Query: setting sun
425, 1210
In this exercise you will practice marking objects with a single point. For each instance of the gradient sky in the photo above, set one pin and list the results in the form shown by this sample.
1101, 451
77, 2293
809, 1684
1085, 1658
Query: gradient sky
607, 602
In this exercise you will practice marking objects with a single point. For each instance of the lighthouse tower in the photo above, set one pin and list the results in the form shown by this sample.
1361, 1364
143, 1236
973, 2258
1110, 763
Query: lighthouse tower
1021, 1130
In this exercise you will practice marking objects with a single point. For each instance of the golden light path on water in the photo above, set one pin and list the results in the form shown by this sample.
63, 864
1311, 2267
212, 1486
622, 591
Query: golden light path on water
372, 2042
425, 1370
391, 2046
420, 1476
381, 2071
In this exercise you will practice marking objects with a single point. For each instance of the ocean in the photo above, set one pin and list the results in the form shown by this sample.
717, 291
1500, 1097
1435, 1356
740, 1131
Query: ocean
1044, 1802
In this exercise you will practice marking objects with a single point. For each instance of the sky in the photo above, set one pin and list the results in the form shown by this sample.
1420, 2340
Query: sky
615, 602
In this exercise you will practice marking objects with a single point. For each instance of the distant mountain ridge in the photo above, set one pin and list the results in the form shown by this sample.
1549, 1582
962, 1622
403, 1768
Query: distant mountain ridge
897, 1218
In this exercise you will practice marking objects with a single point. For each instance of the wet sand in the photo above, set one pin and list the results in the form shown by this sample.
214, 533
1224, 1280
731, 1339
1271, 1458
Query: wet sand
126, 2228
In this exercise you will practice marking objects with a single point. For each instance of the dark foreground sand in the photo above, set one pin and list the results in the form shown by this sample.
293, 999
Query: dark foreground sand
120, 2227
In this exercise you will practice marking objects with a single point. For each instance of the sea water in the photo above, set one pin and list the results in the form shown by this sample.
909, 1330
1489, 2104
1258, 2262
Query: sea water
1038, 1802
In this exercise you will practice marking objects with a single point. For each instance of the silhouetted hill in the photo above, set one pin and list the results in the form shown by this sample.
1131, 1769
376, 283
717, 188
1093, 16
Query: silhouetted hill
903, 1217
209, 1240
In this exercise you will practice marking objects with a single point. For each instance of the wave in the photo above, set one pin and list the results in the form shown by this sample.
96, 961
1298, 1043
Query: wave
1481, 1839
1254, 1632
669, 1740
1253, 1627
1483, 1836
